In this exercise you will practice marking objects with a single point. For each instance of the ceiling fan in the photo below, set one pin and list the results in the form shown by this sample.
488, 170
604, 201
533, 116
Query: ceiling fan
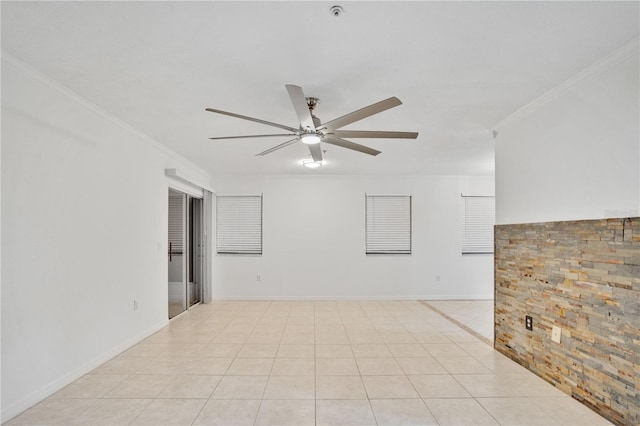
312, 131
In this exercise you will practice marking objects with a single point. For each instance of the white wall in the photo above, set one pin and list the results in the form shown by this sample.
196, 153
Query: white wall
84, 221
313, 241
575, 153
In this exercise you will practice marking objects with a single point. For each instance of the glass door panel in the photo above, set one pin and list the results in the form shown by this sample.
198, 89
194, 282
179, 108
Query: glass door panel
195, 251
177, 252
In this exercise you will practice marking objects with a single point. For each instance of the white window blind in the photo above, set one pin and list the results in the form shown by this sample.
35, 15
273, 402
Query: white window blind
478, 219
239, 224
176, 223
388, 224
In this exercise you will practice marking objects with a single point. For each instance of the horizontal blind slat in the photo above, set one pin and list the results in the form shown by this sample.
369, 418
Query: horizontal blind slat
477, 224
239, 224
176, 223
388, 224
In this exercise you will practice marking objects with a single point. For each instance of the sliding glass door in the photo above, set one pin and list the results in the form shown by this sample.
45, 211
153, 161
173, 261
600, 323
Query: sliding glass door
185, 243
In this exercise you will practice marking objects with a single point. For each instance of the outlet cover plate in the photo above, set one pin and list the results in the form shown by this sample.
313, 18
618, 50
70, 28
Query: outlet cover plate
556, 332
528, 322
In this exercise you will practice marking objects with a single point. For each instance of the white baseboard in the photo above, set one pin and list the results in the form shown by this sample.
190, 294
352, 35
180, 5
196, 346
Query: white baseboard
460, 297
397, 297
54, 386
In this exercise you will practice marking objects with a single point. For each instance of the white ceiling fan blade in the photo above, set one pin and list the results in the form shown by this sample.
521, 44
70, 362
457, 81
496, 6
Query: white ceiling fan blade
374, 134
257, 120
316, 152
301, 107
251, 136
350, 145
277, 147
365, 112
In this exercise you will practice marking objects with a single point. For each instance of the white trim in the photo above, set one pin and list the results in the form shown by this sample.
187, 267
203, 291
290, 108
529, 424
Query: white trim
218, 298
185, 188
362, 177
185, 177
28, 69
39, 394
462, 195
238, 194
617, 56
460, 297
209, 236
391, 194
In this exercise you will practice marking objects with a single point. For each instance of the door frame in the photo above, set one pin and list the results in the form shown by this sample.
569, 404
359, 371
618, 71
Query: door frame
200, 252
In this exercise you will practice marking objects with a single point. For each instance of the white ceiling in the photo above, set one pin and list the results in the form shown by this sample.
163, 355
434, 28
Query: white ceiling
458, 67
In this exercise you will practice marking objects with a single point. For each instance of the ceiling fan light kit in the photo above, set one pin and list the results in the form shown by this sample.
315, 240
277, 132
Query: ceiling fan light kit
310, 138
311, 131
311, 164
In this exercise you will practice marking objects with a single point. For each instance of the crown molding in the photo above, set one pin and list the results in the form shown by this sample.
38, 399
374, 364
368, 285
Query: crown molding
28, 69
611, 60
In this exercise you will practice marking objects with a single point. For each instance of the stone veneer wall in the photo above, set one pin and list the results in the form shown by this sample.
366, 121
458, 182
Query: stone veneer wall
583, 276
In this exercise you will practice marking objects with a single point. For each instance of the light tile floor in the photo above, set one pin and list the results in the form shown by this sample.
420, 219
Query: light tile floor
474, 314
310, 363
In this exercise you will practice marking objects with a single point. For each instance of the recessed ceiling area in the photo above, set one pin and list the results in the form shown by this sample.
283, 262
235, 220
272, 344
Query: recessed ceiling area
458, 67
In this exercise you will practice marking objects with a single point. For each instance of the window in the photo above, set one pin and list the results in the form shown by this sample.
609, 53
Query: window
478, 219
239, 224
388, 224
176, 222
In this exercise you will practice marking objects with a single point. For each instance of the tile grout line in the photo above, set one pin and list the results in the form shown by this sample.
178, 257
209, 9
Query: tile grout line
264, 391
406, 376
373, 412
211, 341
315, 370
387, 315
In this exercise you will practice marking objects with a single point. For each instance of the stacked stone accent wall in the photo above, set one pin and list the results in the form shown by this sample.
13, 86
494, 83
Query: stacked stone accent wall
584, 277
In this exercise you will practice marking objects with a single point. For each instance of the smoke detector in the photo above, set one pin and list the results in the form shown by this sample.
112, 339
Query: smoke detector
336, 11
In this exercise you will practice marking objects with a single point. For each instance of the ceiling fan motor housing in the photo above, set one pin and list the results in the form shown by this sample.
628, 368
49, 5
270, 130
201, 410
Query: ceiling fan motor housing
312, 102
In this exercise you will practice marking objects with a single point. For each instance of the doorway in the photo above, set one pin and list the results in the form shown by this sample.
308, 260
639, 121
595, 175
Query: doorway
185, 252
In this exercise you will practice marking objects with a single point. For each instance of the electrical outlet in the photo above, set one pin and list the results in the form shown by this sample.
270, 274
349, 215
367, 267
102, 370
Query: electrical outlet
556, 332
258, 277
528, 322
437, 277
135, 305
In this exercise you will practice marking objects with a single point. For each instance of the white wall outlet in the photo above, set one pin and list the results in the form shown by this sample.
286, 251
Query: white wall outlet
556, 332
437, 277
258, 277
135, 305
